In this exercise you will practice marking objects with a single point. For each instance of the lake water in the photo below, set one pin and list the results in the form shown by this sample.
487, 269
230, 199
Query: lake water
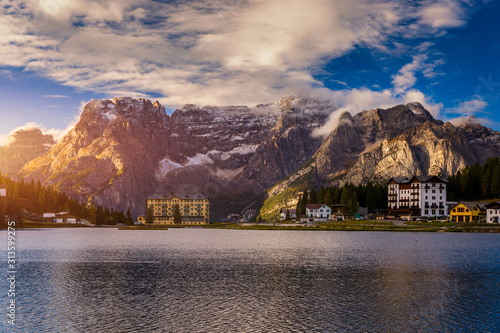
200, 280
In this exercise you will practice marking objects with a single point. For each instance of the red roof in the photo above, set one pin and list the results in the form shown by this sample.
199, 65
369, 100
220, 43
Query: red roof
314, 206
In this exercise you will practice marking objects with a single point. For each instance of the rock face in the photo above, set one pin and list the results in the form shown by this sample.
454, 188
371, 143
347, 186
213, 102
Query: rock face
245, 159
378, 144
23, 146
124, 150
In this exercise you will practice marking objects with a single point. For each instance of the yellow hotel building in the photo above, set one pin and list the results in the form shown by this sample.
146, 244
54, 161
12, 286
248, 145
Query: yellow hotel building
468, 211
194, 208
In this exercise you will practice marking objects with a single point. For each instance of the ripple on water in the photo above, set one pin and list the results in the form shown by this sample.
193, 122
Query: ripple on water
257, 281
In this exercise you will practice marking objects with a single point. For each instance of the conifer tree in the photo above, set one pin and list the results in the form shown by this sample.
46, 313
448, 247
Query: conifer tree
495, 182
41, 202
304, 202
150, 218
313, 197
328, 200
321, 195
298, 207
129, 217
177, 214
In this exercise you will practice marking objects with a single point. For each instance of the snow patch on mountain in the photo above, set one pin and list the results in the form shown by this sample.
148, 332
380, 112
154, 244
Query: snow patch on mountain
199, 159
227, 174
416, 108
166, 165
240, 150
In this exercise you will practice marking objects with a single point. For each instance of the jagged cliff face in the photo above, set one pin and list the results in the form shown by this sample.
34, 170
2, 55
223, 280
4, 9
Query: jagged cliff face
124, 150
425, 149
23, 146
378, 144
355, 135
110, 155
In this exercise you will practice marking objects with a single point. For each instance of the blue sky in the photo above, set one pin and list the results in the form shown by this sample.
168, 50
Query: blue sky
59, 54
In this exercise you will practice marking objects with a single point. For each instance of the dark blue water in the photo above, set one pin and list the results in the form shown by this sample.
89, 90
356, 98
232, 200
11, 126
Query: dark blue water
188, 280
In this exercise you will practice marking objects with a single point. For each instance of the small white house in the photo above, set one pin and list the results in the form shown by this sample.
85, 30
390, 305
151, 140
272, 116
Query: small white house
493, 212
49, 217
319, 212
291, 212
3, 190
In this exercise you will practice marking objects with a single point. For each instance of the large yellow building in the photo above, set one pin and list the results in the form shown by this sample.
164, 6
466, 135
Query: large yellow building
194, 209
468, 211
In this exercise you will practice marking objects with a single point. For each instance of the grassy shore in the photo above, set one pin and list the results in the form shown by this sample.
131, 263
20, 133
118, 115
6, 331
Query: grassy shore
366, 226
143, 227
322, 226
39, 225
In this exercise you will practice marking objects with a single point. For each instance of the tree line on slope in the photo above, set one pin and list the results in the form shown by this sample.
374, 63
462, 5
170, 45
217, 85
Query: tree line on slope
370, 195
24, 198
475, 182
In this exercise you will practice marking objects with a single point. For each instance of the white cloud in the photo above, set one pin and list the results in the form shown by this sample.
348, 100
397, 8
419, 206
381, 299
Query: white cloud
55, 96
405, 78
357, 100
206, 52
7, 74
443, 14
468, 108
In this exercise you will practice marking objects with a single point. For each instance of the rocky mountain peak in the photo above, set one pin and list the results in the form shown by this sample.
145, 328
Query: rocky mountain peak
23, 146
29, 137
416, 108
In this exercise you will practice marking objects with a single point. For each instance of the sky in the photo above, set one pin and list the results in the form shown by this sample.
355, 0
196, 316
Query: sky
57, 55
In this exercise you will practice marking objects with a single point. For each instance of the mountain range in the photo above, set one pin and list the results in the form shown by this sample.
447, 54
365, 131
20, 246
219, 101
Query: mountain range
247, 160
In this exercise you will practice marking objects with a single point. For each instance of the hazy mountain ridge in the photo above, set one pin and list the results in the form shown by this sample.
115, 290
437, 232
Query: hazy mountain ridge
21, 147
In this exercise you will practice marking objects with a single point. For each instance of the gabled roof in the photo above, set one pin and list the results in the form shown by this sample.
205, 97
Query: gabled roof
398, 180
422, 179
178, 195
493, 205
49, 215
3, 186
316, 206
290, 211
472, 204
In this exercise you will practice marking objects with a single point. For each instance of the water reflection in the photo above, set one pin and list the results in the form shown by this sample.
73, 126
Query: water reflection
257, 281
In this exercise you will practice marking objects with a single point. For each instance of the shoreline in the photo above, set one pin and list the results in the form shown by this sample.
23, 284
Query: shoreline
328, 226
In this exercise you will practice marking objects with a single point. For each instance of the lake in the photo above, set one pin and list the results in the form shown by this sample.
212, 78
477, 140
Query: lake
202, 280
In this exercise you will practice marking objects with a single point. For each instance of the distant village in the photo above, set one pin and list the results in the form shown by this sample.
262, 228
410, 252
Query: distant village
420, 198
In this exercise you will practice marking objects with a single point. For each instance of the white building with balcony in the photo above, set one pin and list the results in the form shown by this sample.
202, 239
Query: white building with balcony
418, 196
319, 212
